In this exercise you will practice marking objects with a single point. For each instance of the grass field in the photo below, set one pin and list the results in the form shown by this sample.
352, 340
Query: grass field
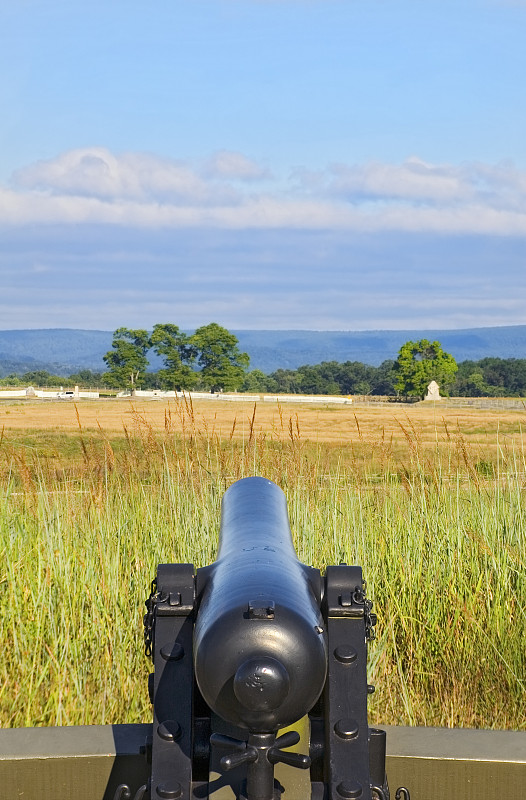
429, 502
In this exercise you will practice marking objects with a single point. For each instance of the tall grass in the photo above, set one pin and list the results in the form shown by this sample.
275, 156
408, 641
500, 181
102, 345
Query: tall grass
439, 532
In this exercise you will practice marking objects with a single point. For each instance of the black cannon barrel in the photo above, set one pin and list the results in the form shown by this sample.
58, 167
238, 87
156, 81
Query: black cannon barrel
260, 648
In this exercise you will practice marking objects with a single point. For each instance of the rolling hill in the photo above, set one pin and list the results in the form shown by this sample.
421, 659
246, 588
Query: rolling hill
63, 351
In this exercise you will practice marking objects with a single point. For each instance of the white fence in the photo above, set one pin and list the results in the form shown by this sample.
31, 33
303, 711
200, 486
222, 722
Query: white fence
159, 394
239, 398
31, 393
303, 398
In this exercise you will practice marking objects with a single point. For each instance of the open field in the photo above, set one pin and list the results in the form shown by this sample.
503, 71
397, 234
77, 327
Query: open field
317, 424
430, 502
361, 439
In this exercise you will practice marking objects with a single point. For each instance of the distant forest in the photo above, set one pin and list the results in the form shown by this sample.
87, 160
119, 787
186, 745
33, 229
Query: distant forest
489, 377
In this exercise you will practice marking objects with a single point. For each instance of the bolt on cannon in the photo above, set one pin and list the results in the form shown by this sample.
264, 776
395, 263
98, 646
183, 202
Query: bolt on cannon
255, 643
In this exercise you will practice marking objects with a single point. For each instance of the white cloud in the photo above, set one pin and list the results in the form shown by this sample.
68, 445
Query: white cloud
235, 166
97, 173
415, 181
93, 185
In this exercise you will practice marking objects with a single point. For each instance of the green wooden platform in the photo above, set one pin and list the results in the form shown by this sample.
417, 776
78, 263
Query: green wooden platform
88, 763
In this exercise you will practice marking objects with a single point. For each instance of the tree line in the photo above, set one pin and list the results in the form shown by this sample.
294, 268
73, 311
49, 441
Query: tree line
210, 359
407, 376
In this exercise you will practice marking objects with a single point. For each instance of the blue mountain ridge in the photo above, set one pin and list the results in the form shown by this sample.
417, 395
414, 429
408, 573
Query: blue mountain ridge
63, 351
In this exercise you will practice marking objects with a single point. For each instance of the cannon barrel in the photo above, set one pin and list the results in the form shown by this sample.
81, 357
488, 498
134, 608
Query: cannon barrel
260, 650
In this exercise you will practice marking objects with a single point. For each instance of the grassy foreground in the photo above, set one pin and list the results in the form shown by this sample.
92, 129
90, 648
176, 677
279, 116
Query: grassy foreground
440, 534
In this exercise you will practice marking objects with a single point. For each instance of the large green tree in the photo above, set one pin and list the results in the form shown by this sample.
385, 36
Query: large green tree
178, 353
421, 362
127, 361
222, 364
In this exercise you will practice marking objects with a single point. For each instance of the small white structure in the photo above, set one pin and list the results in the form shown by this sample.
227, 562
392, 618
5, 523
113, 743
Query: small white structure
433, 392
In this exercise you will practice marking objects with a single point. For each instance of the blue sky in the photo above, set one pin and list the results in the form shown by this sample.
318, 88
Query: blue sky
322, 164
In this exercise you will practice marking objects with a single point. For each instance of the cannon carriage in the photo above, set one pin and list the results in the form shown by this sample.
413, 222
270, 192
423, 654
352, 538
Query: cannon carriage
255, 643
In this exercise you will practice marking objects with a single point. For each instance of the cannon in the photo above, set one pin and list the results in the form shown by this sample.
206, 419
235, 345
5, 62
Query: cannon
253, 644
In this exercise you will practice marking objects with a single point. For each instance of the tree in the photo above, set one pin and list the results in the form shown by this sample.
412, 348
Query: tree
355, 377
222, 364
318, 379
41, 377
257, 381
127, 360
384, 378
504, 376
85, 378
178, 352
419, 363
286, 381
491, 377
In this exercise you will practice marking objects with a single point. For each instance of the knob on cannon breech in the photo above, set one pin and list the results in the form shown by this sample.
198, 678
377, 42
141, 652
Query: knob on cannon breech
254, 643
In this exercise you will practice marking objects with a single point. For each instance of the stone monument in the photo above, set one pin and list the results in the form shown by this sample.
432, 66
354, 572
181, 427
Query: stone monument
433, 392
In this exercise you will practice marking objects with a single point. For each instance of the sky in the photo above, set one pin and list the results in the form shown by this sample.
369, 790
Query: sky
263, 164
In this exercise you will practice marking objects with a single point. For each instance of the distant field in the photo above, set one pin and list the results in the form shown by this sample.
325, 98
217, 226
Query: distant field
318, 423
375, 440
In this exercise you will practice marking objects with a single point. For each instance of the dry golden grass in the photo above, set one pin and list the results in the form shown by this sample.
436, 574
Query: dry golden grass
372, 440
321, 423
